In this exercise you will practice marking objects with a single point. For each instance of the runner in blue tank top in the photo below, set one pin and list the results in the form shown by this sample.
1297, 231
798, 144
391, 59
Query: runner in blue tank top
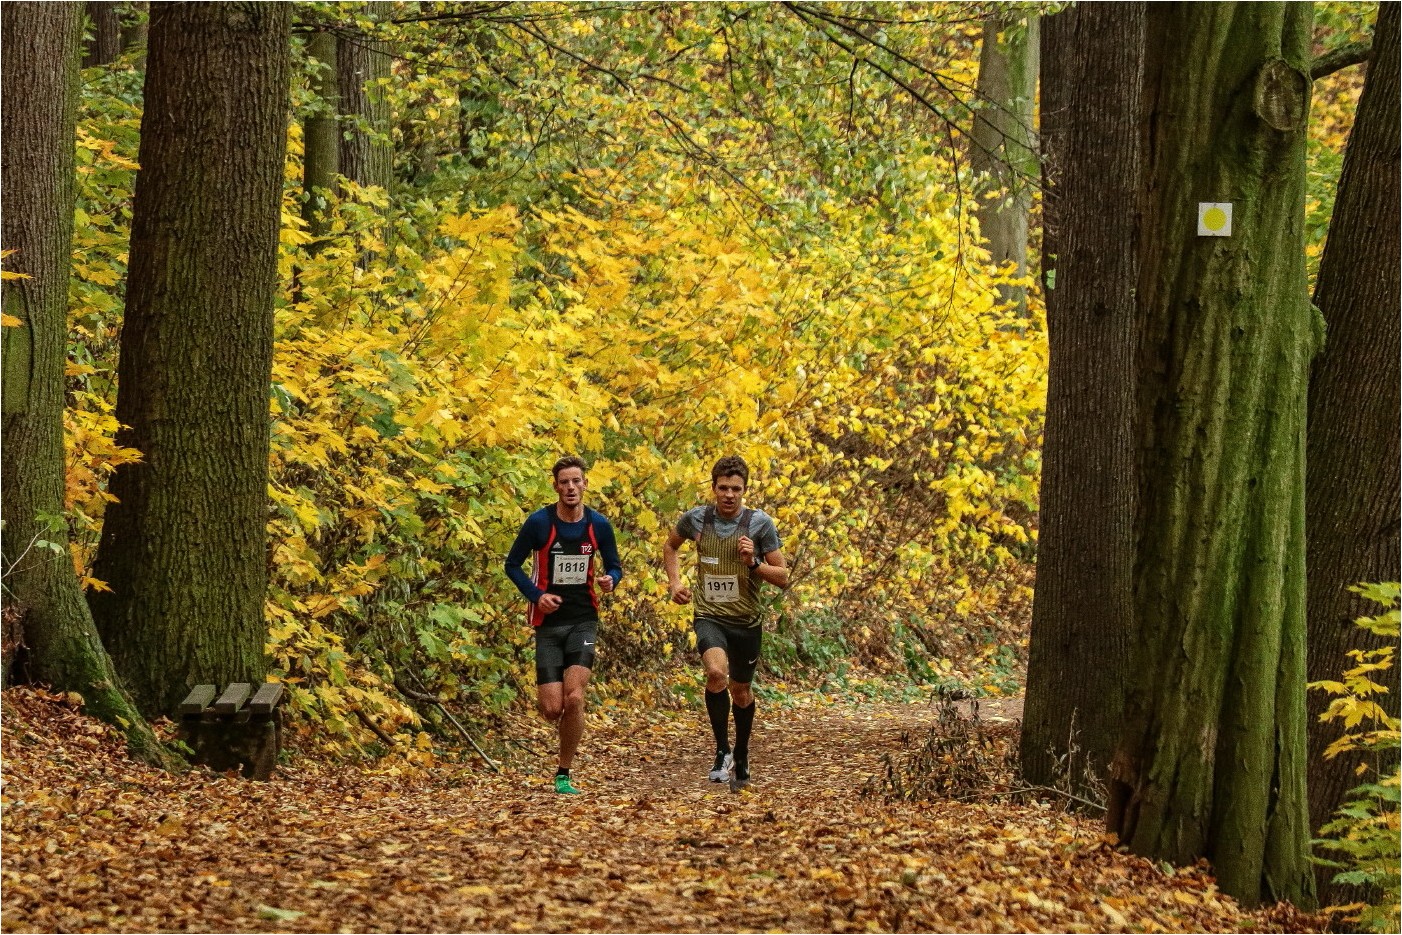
564, 609
737, 550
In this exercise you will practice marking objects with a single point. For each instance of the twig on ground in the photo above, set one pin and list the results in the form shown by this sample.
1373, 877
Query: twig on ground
427, 698
386, 739
1035, 790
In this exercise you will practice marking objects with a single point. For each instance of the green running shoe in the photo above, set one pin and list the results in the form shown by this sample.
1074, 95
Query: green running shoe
564, 787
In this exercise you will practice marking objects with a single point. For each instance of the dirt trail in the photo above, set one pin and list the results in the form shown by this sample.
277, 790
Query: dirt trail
95, 843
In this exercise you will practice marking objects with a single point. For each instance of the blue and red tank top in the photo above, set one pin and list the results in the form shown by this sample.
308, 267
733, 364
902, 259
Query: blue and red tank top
566, 567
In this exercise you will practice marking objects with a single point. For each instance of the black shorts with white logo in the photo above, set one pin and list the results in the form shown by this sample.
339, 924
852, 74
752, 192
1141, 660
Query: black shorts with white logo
740, 637
561, 645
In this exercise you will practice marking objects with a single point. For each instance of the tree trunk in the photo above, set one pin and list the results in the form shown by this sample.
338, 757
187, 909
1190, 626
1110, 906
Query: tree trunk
1003, 140
367, 156
1092, 76
40, 86
1352, 492
1212, 763
321, 161
184, 547
134, 19
105, 42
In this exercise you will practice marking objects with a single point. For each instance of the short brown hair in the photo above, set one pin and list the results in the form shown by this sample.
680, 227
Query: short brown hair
568, 461
728, 466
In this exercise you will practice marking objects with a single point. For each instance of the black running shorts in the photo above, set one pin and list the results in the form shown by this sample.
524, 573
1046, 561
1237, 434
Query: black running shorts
561, 645
739, 640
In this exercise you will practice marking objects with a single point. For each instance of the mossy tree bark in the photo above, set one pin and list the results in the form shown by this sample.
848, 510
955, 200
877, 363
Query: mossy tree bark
184, 547
321, 162
1003, 145
1352, 490
1083, 605
1212, 763
367, 156
40, 86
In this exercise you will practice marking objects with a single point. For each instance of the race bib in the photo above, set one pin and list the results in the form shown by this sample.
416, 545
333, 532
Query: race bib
571, 569
722, 589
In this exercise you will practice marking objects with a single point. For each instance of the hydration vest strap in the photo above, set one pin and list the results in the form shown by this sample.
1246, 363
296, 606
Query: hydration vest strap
709, 522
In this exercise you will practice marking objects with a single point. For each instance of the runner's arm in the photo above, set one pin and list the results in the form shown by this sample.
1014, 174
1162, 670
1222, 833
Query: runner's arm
608, 549
774, 569
527, 541
672, 563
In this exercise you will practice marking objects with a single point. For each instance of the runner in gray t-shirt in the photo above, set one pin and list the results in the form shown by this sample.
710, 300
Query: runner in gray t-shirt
737, 550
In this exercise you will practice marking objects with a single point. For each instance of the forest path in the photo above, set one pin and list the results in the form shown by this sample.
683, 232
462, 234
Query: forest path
93, 842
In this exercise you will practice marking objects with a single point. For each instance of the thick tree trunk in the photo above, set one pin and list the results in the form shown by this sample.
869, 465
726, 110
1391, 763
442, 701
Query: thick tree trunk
367, 156
1083, 607
104, 41
321, 161
184, 547
1213, 759
1003, 140
40, 73
1352, 492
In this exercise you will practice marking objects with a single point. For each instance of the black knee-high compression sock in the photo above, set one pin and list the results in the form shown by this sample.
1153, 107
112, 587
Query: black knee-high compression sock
718, 710
744, 721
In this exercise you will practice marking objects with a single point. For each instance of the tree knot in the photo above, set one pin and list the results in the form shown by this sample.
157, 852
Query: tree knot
1282, 95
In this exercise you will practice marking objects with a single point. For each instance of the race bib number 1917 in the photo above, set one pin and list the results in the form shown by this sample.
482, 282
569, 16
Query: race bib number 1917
722, 589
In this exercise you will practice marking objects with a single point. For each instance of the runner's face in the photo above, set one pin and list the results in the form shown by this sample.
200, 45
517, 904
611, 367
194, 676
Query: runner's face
730, 493
570, 484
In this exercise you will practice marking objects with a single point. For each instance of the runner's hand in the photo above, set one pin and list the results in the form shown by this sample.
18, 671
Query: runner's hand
747, 550
606, 583
681, 595
549, 603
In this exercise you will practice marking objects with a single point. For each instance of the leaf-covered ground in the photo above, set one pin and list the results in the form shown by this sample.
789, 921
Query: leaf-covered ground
94, 842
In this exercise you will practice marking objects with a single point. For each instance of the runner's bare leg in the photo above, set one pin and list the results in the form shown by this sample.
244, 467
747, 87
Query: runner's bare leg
571, 723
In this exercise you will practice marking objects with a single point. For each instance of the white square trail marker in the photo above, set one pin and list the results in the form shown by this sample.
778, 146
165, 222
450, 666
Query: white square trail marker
1214, 219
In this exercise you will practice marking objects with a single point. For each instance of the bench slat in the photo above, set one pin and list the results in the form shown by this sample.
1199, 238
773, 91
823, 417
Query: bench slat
267, 698
235, 694
199, 698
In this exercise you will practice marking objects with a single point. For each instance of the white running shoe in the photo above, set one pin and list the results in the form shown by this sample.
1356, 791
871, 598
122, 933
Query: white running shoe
720, 772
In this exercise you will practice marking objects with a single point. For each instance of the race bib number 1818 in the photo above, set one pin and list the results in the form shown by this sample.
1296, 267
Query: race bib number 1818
571, 569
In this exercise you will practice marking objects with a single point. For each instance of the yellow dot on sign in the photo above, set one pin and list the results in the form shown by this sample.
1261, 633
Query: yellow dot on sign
1214, 219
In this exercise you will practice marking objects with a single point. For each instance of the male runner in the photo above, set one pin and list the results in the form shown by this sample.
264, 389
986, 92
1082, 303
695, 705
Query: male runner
564, 609
737, 549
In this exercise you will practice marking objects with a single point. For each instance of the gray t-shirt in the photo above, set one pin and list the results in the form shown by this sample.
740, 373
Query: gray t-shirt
762, 529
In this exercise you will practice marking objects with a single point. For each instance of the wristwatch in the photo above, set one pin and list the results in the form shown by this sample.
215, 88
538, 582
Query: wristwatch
756, 563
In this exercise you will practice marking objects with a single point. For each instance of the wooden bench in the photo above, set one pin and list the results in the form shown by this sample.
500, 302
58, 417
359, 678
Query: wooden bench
239, 729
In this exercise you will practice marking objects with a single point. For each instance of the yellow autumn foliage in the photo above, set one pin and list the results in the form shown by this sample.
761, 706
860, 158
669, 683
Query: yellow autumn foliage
891, 425
435, 354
